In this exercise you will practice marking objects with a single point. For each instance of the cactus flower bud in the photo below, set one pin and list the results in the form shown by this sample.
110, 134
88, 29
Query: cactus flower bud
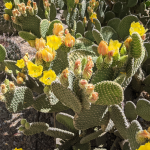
76, 1
23, 121
3, 88
6, 17
34, 6
27, 125
89, 89
127, 42
58, 27
83, 83
99, 62
66, 31
29, 3
143, 37
93, 98
77, 68
85, 21
142, 136
39, 43
47, 90
69, 40
87, 72
11, 86
64, 77
19, 80
103, 48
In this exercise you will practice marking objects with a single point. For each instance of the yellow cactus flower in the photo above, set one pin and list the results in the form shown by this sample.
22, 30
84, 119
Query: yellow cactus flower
20, 63
69, 40
34, 70
137, 27
48, 77
54, 41
94, 15
144, 147
58, 29
18, 149
8, 5
114, 46
39, 43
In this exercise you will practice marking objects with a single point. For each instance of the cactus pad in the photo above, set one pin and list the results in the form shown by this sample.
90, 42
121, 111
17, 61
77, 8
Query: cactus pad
89, 117
20, 99
109, 93
66, 96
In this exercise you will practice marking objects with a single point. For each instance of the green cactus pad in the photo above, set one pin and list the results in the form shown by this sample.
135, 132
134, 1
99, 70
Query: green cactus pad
97, 36
147, 46
97, 24
109, 15
44, 26
60, 4
51, 26
66, 96
134, 64
2, 53
120, 79
88, 35
78, 146
126, 146
102, 75
117, 7
94, 48
124, 25
131, 133
23, 121
89, 117
78, 35
27, 125
119, 119
132, 3
136, 45
109, 93
90, 137
50, 104
114, 23
83, 43
19, 100
83, 9
66, 120
126, 82
30, 24
53, 11
130, 111
80, 27
27, 35
143, 109
35, 128
58, 133
78, 54
109, 33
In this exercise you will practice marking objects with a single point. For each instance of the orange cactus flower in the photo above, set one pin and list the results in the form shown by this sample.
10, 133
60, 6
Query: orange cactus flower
40, 43
69, 40
103, 48
58, 29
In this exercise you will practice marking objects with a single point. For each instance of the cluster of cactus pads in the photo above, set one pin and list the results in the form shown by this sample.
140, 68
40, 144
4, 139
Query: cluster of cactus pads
85, 68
